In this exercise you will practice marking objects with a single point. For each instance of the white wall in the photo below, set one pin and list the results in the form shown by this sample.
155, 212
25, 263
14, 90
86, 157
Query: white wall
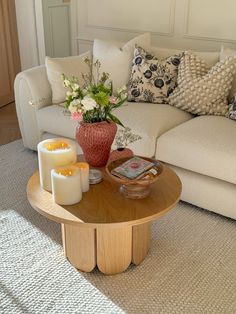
30, 26
25, 15
185, 24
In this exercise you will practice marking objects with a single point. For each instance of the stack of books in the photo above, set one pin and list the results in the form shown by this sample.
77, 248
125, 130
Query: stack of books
136, 168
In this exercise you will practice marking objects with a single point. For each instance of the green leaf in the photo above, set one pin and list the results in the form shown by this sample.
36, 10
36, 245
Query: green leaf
115, 119
111, 92
120, 103
101, 98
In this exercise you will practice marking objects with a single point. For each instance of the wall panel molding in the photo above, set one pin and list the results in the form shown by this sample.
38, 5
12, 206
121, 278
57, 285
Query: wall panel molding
169, 31
188, 33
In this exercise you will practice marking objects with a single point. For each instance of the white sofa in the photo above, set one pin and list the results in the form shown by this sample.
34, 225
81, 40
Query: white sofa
202, 150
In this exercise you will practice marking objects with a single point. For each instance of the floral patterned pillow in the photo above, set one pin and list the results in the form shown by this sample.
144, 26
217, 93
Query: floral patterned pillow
152, 80
232, 109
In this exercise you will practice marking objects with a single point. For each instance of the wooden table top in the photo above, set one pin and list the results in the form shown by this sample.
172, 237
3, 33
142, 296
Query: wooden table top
103, 205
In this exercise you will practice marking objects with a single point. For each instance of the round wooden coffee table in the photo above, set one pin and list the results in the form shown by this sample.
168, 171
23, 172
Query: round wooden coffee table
105, 228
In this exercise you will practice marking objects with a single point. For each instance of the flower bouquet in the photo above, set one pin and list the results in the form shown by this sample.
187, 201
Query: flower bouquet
94, 101
92, 105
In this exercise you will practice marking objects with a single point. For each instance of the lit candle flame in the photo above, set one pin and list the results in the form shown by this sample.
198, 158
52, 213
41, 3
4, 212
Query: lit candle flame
52, 146
81, 165
66, 172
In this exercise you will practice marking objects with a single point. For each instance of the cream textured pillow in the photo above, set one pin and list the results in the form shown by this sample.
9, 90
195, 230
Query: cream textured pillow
117, 60
70, 66
152, 80
200, 90
226, 52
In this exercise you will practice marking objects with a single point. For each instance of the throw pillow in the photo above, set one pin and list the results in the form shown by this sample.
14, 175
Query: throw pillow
226, 52
117, 60
152, 80
202, 91
232, 109
70, 66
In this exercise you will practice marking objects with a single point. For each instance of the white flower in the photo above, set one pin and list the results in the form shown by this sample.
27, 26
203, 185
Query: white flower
66, 83
123, 96
74, 105
122, 89
68, 93
74, 94
88, 103
76, 102
75, 86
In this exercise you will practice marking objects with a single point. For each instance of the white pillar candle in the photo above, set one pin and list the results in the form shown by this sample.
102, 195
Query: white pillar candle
66, 185
84, 172
54, 153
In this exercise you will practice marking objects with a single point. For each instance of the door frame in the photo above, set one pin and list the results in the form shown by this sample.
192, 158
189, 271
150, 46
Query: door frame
38, 6
10, 56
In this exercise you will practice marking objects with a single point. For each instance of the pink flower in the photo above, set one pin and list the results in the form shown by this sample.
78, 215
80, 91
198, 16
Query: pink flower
77, 116
113, 100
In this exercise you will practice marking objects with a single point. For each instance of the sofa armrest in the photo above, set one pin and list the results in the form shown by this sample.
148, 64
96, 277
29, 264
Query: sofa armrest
31, 86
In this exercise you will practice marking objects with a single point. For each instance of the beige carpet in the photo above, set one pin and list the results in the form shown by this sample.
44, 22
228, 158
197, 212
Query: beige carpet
191, 267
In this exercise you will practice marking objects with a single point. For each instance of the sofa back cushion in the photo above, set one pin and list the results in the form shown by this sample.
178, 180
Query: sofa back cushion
210, 57
116, 57
70, 66
116, 60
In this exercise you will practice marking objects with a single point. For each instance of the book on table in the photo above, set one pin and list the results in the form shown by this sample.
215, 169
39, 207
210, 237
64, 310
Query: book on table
132, 168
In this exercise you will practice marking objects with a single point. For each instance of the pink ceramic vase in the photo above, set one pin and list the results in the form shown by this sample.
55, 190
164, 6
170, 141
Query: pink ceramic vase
96, 139
121, 153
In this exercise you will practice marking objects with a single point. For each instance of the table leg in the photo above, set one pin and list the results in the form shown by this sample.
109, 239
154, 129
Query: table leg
141, 242
79, 246
114, 249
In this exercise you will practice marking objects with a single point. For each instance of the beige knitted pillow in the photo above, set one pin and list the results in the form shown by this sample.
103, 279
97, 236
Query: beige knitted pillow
202, 91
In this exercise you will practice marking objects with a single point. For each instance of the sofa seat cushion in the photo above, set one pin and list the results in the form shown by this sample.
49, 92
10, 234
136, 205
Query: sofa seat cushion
147, 120
204, 144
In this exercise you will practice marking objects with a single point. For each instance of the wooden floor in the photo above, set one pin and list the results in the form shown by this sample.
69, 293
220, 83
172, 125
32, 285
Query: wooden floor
9, 127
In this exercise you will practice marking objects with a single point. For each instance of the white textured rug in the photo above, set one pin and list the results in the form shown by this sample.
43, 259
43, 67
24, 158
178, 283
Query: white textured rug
191, 267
